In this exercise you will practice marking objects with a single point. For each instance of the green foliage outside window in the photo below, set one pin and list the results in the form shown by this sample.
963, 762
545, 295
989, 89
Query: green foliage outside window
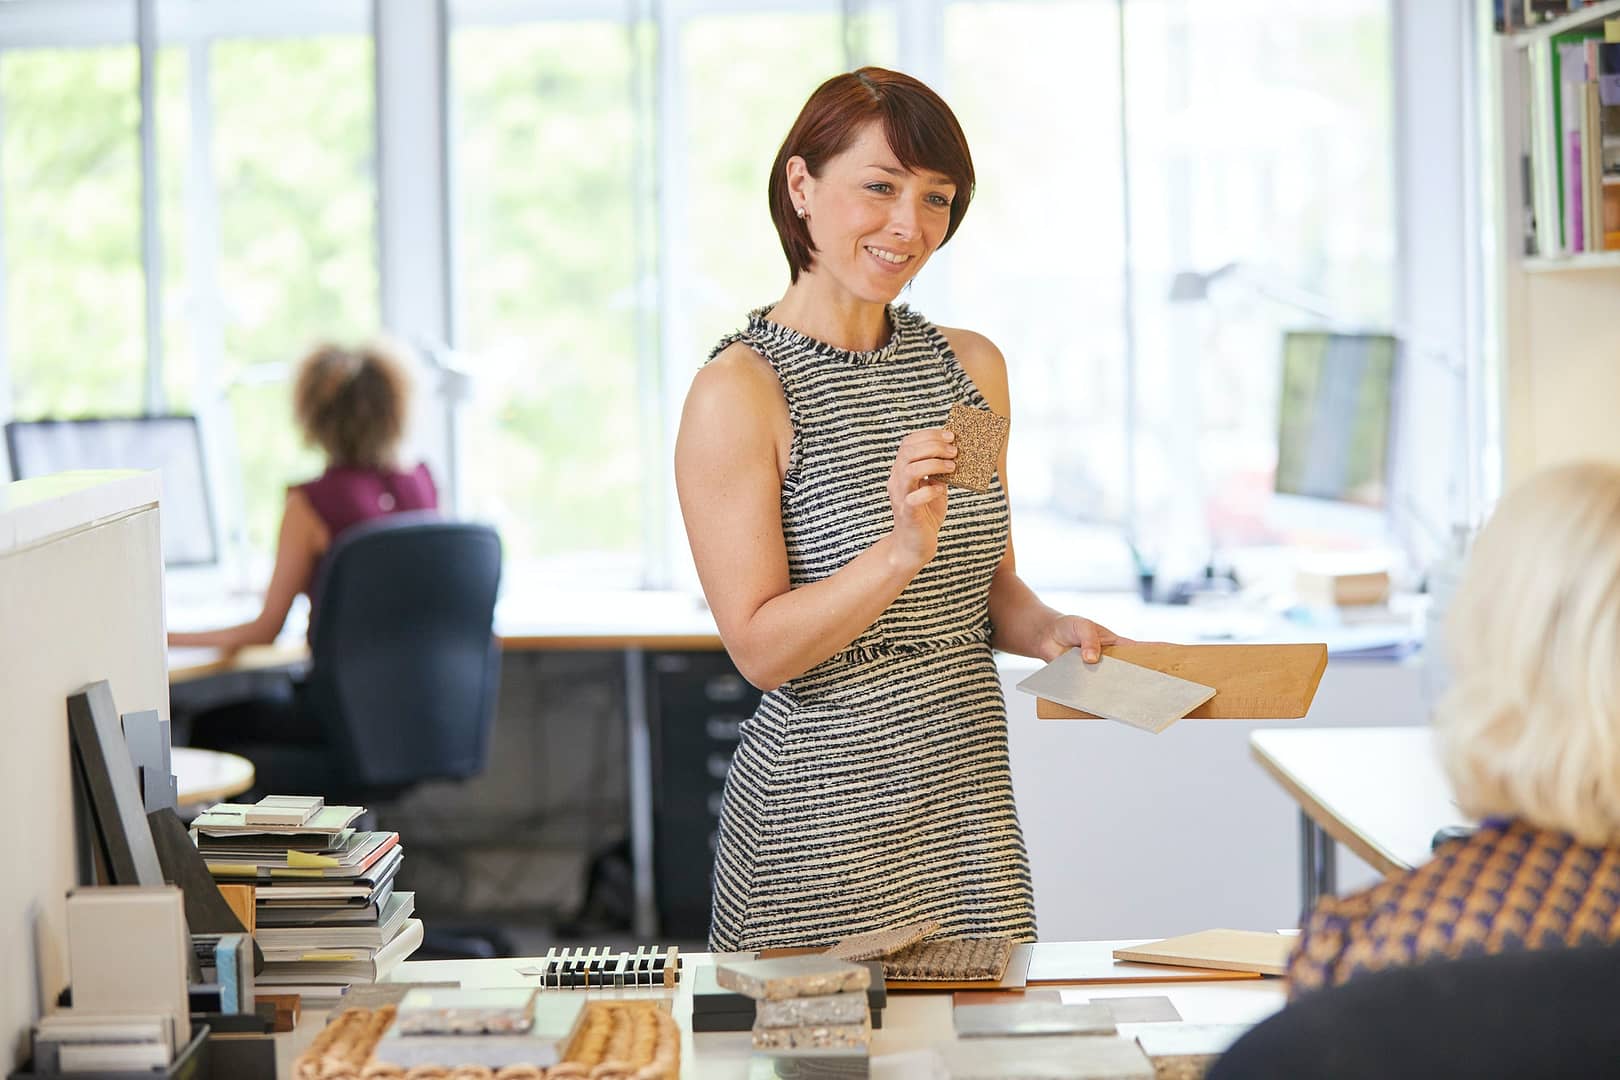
70, 154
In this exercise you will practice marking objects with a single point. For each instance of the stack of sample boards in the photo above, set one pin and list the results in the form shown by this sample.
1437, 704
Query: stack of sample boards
326, 910
811, 1013
715, 1008
491, 1027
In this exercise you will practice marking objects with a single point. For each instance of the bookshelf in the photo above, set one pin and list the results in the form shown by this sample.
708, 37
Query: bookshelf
1552, 315
1570, 75
1575, 20
1552, 264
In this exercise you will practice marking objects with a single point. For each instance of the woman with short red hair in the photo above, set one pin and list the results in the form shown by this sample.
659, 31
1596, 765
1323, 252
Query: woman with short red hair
871, 788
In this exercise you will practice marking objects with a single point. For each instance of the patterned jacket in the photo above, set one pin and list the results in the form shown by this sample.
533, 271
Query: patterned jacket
1508, 886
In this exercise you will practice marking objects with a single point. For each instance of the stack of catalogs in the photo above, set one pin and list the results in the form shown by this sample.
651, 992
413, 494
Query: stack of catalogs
326, 910
811, 1014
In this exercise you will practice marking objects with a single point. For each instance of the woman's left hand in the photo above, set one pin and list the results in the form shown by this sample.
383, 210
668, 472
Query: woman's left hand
1072, 632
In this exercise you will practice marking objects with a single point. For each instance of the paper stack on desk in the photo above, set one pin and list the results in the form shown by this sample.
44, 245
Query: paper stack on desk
325, 907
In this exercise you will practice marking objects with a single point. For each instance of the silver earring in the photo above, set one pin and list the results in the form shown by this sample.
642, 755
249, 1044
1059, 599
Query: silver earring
801, 213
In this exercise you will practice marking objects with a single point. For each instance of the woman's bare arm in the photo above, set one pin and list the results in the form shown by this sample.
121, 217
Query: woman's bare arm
303, 540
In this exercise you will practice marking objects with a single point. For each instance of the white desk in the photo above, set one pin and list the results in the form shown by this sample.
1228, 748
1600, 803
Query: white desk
1379, 791
911, 1020
632, 623
626, 622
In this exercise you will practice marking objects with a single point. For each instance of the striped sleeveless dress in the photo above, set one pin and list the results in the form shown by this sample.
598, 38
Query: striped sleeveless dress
874, 789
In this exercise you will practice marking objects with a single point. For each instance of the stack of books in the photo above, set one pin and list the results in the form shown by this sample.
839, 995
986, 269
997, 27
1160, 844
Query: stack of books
327, 915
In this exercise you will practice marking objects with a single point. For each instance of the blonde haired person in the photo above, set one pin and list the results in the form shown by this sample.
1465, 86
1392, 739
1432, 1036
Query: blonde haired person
1529, 737
353, 404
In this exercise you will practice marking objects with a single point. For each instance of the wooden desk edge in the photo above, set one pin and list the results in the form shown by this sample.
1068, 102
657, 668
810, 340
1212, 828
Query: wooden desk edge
1384, 862
271, 657
252, 658
610, 642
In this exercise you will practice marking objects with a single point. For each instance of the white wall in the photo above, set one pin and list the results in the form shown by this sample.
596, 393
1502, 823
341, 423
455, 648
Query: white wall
80, 600
1564, 380
1138, 835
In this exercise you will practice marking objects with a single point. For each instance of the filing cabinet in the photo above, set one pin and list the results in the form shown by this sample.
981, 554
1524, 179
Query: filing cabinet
696, 702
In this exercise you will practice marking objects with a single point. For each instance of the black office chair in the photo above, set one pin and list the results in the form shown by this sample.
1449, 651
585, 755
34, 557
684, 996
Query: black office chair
404, 665
1547, 1013
403, 678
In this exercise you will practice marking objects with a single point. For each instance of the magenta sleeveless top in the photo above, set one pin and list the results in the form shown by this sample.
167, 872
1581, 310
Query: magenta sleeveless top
344, 496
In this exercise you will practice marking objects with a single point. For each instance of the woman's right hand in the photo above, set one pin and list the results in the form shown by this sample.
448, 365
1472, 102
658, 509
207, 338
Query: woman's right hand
917, 494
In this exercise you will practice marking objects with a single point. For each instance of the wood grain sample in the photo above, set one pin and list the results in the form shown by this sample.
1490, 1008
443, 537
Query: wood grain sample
1252, 682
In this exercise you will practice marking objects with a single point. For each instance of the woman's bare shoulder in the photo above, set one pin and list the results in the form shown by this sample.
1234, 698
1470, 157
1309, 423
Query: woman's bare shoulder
983, 363
736, 384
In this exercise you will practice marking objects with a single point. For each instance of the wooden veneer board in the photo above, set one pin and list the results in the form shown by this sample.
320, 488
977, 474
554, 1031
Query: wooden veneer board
1082, 963
1232, 950
1252, 682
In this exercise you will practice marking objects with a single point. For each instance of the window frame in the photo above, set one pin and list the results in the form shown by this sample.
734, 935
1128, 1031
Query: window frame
417, 264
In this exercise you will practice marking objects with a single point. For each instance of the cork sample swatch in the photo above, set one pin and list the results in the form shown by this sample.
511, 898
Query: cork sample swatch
878, 943
981, 436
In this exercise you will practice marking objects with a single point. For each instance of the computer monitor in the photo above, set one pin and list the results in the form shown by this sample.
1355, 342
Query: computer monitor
170, 444
1335, 416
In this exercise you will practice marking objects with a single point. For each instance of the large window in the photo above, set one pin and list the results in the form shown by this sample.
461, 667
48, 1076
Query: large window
297, 260
1037, 267
70, 155
605, 209
266, 221
610, 179
554, 286
1261, 137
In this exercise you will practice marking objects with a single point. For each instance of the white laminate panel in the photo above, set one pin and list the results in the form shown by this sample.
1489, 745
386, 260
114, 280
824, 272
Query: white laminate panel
78, 603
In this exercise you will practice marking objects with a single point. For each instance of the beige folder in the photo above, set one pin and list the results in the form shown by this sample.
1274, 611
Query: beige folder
1228, 950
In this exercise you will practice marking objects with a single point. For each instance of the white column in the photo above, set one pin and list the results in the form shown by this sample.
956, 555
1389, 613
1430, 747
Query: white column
675, 270
414, 253
5, 367
1437, 269
151, 230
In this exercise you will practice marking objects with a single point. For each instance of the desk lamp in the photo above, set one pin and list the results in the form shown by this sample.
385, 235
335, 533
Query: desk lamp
1193, 286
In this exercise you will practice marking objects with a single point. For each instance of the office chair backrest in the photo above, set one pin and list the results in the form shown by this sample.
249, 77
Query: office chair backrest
404, 665
1547, 1013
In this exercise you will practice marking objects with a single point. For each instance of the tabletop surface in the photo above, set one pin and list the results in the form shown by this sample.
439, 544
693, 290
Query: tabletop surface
912, 1021
530, 618
1380, 791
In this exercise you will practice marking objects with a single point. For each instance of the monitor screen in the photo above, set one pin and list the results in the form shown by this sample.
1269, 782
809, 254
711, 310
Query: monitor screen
1335, 416
170, 444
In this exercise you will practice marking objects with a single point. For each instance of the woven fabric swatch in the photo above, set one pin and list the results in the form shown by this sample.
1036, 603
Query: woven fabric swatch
882, 942
950, 960
981, 436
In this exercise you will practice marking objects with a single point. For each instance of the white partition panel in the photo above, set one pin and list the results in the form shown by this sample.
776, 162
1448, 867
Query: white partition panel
81, 599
